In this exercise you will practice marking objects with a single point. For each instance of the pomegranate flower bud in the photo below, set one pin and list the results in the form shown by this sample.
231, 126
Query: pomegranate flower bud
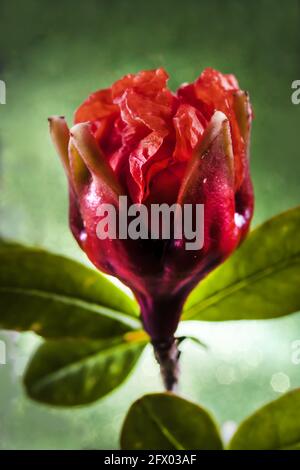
137, 145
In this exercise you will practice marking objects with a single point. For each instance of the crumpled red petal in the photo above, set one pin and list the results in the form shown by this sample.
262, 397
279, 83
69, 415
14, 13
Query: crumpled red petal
99, 105
189, 130
216, 91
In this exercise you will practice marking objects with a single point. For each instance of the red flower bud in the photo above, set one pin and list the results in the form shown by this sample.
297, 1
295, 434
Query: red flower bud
140, 140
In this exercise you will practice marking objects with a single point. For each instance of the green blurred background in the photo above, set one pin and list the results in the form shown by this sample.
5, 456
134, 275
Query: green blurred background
52, 55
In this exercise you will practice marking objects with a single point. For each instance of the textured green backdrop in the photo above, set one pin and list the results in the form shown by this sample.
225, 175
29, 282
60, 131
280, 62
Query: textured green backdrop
52, 55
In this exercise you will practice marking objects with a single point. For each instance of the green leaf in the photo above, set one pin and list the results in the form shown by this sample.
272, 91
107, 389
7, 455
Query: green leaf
259, 281
194, 339
5, 244
77, 372
57, 297
163, 421
54, 316
275, 426
37, 269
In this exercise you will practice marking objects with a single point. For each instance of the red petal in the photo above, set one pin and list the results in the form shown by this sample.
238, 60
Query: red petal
218, 90
147, 108
215, 91
139, 110
160, 192
187, 94
99, 105
148, 83
138, 159
188, 130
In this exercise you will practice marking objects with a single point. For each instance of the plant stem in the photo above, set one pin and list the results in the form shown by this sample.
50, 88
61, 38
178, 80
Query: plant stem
167, 356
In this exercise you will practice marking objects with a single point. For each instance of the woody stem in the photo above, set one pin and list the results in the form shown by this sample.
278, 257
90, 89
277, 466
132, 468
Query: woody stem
167, 356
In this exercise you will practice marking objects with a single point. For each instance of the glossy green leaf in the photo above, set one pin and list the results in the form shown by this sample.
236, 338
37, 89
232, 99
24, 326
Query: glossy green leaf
163, 421
37, 269
259, 281
77, 372
57, 297
275, 426
55, 316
